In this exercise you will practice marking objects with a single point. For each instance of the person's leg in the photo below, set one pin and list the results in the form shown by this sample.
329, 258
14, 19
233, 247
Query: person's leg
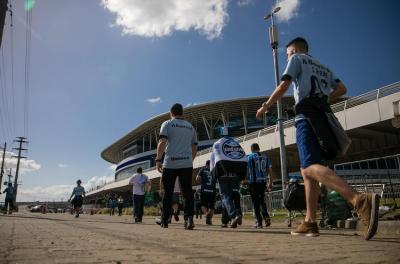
329, 178
236, 195
135, 207
168, 181
141, 209
311, 188
225, 186
185, 179
261, 196
256, 203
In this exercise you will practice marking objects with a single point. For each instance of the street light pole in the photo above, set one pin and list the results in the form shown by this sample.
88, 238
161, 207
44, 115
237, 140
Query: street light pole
273, 37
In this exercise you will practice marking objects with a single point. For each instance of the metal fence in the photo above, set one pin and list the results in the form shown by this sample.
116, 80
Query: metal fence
272, 199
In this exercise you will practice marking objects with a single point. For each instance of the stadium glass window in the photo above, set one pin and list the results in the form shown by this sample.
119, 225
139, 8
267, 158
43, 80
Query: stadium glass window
347, 167
391, 163
364, 165
339, 167
355, 166
382, 164
372, 164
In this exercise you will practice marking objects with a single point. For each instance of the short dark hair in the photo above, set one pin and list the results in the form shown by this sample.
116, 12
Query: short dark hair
177, 109
9, 184
255, 147
299, 42
139, 170
207, 162
78, 182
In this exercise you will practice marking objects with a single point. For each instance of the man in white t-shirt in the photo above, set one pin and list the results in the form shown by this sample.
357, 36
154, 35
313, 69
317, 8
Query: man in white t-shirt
141, 184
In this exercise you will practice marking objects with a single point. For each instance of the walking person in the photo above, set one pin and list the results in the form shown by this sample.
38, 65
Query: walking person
178, 141
259, 168
140, 184
228, 165
112, 203
207, 192
9, 201
197, 205
314, 87
78, 193
120, 203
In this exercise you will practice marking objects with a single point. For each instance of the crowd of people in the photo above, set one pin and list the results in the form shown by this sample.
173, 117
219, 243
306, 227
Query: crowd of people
315, 86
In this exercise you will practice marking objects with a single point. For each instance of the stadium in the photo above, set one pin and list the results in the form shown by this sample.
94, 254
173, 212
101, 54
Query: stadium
371, 120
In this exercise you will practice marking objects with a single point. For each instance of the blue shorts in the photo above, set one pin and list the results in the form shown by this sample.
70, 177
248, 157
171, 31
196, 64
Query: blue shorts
307, 144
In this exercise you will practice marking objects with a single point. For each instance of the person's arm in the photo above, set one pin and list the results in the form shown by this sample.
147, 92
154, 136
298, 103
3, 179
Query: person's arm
162, 143
269, 187
339, 90
198, 178
278, 92
194, 151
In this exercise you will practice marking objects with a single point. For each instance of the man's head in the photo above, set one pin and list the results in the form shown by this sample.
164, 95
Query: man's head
176, 110
9, 184
297, 45
208, 164
79, 182
255, 147
139, 170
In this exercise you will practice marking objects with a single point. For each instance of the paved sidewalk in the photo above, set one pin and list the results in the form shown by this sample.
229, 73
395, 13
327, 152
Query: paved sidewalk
60, 238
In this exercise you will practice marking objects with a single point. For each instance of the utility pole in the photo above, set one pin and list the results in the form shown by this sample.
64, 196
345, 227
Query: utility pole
273, 36
2, 165
20, 140
3, 11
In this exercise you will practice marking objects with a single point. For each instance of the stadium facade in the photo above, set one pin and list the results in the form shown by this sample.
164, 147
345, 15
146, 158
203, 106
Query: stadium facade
371, 120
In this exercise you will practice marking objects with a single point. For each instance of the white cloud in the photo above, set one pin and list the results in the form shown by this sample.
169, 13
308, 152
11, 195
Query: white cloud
26, 165
113, 167
245, 2
153, 100
49, 193
58, 192
155, 18
191, 104
289, 9
62, 166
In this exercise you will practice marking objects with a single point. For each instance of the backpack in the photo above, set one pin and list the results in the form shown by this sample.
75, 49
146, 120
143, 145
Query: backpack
295, 197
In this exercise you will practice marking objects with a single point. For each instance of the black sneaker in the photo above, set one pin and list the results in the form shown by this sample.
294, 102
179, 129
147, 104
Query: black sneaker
208, 220
176, 217
235, 221
267, 222
189, 224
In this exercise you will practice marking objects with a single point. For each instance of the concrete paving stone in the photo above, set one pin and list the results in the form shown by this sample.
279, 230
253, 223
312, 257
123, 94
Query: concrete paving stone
60, 238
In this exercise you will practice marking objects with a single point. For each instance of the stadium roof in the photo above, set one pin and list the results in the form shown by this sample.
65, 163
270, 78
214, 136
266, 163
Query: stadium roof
195, 113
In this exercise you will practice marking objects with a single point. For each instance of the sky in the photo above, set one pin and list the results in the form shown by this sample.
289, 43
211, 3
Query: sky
99, 68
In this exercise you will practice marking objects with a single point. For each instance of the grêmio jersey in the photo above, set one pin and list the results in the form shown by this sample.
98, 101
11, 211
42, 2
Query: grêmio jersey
258, 166
207, 180
228, 158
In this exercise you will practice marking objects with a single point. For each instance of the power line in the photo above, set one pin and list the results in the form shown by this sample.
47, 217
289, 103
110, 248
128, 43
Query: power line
12, 67
27, 69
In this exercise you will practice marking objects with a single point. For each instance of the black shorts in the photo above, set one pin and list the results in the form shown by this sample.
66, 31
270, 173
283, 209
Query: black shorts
207, 199
77, 201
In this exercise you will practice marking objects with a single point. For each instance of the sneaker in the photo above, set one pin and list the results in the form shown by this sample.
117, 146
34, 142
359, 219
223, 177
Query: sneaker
267, 222
208, 220
76, 216
367, 207
256, 225
306, 229
160, 223
189, 224
235, 221
224, 225
240, 220
176, 217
